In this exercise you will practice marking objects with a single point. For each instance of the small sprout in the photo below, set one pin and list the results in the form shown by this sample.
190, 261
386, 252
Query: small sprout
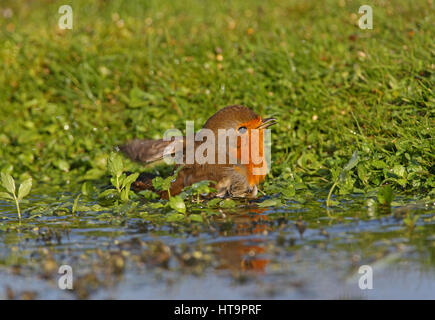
119, 179
165, 184
8, 183
116, 168
343, 174
201, 188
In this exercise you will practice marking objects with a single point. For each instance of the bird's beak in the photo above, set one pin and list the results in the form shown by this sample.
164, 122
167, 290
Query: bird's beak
267, 123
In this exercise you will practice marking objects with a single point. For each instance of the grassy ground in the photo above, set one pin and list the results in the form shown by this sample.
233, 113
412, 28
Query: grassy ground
136, 68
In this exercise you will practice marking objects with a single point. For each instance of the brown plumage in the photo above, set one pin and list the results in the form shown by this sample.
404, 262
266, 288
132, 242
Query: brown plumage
235, 180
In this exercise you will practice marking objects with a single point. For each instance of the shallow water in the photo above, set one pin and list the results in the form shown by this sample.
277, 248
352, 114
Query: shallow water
295, 251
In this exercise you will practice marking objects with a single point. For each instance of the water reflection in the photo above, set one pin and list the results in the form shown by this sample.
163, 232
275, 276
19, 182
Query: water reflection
245, 254
265, 244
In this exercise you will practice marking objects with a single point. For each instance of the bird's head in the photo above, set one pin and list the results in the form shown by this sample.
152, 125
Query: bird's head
249, 127
239, 118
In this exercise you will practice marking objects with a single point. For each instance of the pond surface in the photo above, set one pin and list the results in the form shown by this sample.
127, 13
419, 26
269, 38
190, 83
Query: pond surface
299, 250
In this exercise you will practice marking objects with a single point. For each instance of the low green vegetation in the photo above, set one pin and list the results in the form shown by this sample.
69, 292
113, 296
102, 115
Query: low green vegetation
134, 69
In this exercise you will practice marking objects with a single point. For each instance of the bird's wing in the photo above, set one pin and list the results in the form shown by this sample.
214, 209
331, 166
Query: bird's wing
152, 150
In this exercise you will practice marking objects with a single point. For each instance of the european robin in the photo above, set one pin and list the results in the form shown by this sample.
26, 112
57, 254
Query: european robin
236, 174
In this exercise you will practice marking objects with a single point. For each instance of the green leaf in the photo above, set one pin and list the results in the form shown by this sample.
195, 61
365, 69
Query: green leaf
129, 180
24, 189
93, 174
349, 166
177, 203
156, 205
63, 165
8, 182
113, 181
399, 170
115, 164
352, 162
121, 180
109, 193
5, 195
269, 203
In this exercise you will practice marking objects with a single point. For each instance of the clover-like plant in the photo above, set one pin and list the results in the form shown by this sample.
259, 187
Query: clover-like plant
8, 183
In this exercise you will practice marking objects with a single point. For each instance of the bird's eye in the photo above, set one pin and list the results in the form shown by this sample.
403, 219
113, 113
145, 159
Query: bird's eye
242, 130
